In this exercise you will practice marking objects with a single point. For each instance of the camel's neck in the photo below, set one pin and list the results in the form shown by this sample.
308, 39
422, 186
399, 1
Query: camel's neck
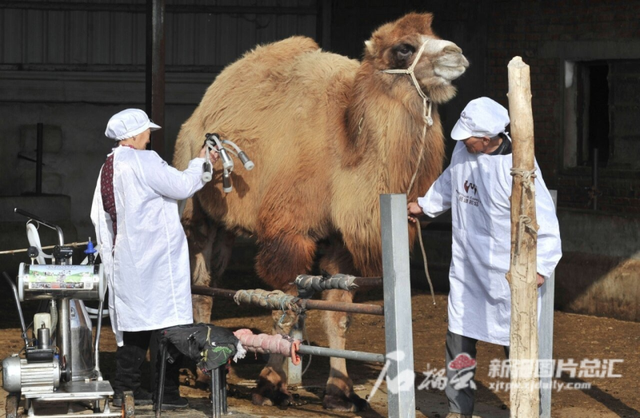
385, 128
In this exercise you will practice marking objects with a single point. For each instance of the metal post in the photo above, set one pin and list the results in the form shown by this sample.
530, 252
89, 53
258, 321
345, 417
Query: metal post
546, 334
323, 24
64, 335
397, 304
163, 368
39, 151
294, 372
154, 358
346, 354
595, 178
98, 374
216, 408
155, 73
223, 388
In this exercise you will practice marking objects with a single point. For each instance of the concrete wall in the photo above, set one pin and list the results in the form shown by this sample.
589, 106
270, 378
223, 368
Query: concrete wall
599, 273
73, 87
600, 270
548, 35
74, 143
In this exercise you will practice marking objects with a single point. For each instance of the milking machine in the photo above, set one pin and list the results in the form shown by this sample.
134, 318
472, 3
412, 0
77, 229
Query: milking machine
58, 366
213, 141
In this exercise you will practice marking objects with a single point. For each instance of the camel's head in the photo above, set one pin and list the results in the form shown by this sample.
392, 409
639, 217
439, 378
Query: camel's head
398, 44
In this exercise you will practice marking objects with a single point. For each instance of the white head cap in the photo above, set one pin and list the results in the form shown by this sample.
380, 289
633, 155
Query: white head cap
481, 117
128, 123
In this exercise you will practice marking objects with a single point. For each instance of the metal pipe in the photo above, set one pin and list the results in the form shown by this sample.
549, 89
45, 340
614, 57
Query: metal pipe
43, 222
155, 71
595, 179
93, 415
223, 388
346, 354
39, 140
97, 344
163, 368
368, 281
321, 305
47, 247
215, 393
64, 337
360, 282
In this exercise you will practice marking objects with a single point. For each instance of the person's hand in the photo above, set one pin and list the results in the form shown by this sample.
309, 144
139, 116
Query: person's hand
213, 154
539, 279
413, 211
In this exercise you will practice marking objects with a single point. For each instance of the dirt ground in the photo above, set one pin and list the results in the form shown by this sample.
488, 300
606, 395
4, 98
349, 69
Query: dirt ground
576, 337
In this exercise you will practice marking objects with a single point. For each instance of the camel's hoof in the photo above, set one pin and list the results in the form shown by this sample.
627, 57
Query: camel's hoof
351, 403
264, 395
260, 400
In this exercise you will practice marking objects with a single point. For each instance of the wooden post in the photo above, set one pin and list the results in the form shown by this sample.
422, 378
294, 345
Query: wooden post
524, 394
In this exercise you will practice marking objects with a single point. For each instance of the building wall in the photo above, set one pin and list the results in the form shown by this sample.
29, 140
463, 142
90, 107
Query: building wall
547, 35
70, 65
600, 269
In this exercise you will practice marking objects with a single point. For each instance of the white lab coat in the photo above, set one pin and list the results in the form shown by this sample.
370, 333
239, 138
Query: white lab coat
477, 189
148, 274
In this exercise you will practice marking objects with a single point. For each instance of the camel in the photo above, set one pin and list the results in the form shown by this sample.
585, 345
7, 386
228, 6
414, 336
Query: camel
328, 135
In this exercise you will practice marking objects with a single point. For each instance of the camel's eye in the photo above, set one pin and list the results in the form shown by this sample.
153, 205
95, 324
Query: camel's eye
404, 51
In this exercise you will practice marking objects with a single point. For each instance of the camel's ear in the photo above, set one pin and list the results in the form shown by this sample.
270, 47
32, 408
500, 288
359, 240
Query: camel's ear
371, 48
428, 17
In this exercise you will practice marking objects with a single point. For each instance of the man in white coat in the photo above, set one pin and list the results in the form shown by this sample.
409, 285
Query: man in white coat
476, 187
143, 247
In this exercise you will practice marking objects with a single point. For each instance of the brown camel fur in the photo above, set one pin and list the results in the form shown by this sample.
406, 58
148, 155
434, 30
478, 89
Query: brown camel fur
328, 135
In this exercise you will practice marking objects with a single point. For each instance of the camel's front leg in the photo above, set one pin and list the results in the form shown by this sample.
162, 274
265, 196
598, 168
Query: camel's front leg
339, 393
209, 253
272, 384
279, 261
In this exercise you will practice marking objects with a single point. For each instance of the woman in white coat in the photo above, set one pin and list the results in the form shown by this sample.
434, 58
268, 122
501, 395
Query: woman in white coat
143, 247
476, 187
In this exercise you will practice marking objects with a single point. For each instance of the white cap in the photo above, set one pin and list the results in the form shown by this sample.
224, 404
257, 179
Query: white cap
128, 123
481, 117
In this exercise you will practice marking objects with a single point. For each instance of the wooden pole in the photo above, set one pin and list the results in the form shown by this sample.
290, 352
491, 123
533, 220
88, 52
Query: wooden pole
522, 271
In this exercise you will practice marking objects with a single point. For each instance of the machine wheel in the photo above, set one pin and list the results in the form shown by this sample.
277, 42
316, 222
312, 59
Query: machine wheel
11, 406
128, 405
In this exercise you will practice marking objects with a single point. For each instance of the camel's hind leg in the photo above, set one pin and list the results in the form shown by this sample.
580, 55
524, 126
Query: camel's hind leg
339, 394
278, 263
209, 253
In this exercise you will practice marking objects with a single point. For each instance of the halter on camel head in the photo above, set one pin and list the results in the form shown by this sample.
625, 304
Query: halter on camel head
426, 113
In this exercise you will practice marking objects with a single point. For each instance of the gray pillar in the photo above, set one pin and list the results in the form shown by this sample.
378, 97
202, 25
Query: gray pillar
397, 305
545, 335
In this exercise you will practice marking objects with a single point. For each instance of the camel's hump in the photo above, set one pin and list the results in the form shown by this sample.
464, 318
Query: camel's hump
297, 56
282, 50
296, 64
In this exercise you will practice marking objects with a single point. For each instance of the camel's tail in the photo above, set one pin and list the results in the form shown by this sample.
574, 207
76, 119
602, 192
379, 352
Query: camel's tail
188, 144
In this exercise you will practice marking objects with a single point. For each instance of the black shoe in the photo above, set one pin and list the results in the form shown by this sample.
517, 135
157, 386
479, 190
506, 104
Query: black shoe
117, 399
173, 401
141, 397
